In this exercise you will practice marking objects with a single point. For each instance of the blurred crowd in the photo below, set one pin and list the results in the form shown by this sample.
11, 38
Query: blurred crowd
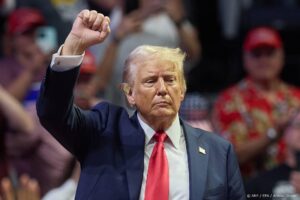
258, 112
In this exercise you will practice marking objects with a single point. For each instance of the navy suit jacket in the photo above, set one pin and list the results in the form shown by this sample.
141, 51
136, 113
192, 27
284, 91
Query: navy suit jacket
110, 147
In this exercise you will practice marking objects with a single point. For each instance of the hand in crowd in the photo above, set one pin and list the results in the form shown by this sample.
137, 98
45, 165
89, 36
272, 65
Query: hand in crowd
295, 181
89, 28
283, 121
175, 9
27, 190
15, 115
129, 24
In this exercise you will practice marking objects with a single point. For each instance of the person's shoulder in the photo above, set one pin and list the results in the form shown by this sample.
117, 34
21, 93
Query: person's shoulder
217, 146
227, 91
216, 139
108, 110
234, 89
295, 90
109, 107
104, 103
112, 115
211, 138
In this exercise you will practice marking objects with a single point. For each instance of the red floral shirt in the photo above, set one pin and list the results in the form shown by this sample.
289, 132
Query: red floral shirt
243, 113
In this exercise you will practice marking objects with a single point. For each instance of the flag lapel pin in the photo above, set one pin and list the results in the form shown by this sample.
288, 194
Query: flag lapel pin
201, 150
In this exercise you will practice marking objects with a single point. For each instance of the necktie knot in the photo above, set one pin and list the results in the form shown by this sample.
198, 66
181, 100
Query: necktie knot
160, 136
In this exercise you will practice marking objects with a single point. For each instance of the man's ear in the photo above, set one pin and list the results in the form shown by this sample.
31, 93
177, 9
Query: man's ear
182, 94
128, 93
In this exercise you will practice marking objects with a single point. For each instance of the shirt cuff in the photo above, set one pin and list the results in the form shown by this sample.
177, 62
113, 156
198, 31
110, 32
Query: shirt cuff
63, 63
63, 192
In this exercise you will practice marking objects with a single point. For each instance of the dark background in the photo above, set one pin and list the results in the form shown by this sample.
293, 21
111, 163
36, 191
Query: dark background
221, 63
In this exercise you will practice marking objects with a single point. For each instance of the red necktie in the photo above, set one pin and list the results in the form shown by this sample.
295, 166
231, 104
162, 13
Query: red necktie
157, 184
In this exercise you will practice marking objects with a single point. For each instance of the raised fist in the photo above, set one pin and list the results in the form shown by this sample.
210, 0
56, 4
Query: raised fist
89, 28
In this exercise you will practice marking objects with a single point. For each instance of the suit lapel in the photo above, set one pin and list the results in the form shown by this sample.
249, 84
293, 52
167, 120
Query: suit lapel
198, 161
133, 143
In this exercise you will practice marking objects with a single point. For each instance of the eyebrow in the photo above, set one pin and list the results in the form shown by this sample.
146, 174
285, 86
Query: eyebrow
153, 73
155, 76
149, 77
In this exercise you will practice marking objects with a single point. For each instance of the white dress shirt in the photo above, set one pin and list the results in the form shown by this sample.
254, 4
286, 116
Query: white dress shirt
64, 192
175, 145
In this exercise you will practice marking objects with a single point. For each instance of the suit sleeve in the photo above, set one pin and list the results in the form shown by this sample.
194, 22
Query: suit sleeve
235, 183
70, 125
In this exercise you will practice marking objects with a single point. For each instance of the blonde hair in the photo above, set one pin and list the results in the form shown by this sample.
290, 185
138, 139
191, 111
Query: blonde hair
146, 52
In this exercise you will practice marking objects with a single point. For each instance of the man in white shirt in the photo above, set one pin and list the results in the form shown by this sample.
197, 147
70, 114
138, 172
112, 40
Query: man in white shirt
151, 155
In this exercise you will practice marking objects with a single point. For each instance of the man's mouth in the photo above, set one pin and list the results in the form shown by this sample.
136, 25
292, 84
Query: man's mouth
162, 103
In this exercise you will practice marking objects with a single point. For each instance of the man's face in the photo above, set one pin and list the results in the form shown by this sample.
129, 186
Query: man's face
29, 55
26, 49
156, 90
264, 63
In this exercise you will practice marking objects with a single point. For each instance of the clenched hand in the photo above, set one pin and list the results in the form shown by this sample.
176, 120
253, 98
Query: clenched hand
89, 28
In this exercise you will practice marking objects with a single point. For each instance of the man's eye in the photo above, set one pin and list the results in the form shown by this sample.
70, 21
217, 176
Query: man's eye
170, 80
149, 81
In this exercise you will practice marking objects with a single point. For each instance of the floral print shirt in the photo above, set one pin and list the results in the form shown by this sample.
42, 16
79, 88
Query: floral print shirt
243, 113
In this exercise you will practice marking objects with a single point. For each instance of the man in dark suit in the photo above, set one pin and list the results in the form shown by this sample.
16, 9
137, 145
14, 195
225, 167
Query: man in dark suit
151, 155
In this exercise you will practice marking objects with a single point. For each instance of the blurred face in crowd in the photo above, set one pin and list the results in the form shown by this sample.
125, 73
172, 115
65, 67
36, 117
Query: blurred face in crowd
27, 52
108, 4
81, 98
292, 134
264, 63
156, 89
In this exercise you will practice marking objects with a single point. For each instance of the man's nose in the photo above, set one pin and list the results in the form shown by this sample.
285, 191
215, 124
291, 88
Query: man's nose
161, 88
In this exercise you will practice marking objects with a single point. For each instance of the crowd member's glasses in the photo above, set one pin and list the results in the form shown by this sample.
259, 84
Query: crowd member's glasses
265, 51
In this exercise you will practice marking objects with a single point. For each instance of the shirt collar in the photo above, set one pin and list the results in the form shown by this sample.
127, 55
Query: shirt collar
174, 131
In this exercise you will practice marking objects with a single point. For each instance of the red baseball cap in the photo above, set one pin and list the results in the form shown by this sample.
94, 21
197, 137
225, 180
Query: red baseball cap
262, 36
24, 19
88, 65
